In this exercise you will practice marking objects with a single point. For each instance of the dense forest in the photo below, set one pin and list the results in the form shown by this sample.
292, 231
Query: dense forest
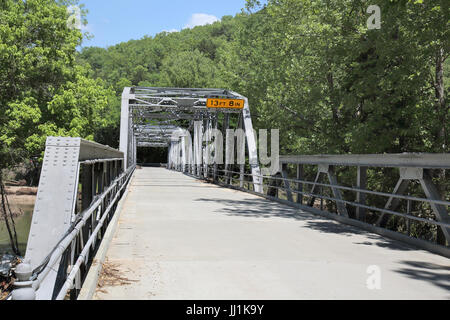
311, 68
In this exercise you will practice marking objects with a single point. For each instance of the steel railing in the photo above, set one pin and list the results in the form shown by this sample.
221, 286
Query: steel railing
432, 216
80, 186
92, 222
317, 195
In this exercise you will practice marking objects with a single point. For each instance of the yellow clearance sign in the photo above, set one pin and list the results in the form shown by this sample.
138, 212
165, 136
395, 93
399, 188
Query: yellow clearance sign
225, 103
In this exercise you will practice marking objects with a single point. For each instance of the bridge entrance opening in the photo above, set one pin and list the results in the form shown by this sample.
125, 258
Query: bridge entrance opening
147, 156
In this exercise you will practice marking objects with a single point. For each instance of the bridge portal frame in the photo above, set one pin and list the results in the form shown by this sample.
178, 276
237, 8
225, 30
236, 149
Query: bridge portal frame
141, 105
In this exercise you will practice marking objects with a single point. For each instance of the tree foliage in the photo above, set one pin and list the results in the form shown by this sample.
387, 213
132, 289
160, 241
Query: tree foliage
43, 90
312, 69
339, 87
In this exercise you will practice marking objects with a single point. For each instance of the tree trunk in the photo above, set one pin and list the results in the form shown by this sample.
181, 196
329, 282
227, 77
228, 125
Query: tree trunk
5, 209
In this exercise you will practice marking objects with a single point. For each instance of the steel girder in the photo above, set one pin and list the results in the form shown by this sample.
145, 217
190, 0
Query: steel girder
54, 210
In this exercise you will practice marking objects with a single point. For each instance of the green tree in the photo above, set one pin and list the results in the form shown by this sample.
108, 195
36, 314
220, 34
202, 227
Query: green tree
42, 91
189, 70
315, 70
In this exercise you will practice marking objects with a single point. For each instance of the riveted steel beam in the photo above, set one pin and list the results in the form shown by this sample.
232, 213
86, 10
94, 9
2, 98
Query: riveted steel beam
56, 200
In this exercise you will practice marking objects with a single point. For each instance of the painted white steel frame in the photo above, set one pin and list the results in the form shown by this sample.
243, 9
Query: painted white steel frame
139, 103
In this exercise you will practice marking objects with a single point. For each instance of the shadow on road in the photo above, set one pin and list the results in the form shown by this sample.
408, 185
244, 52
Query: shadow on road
262, 208
426, 271
438, 275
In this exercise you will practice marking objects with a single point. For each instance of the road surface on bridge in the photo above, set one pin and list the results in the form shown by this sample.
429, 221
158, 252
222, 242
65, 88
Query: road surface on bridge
181, 238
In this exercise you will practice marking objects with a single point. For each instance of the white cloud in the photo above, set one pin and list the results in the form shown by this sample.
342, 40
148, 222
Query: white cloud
200, 19
171, 30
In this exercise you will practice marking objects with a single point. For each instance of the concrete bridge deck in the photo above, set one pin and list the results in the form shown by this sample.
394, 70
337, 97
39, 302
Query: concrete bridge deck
179, 238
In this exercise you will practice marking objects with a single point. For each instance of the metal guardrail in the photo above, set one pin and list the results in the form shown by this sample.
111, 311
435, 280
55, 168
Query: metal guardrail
358, 210
401, 160
80, 186
101, 220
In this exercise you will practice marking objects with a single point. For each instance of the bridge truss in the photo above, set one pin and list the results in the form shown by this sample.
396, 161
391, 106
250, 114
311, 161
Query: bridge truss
181, 120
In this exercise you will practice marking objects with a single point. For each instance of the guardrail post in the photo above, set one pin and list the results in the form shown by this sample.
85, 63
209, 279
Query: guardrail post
361, 183
241, 175
86, 186
198, 159
108, 173
228, 152
207, 150
408, 212
300, 176
216, 149
342, 210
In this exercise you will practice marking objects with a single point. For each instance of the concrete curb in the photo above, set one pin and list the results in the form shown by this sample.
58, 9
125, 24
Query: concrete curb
90, 283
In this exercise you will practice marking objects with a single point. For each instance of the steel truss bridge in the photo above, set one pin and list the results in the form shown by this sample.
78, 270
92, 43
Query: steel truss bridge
184, 235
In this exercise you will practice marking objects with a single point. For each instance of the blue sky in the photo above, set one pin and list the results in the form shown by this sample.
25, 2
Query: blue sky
115, 21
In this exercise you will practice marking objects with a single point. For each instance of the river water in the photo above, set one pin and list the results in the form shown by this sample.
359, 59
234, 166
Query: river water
23, 224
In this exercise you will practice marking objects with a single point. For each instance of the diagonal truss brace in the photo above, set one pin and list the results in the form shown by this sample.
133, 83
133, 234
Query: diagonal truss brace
431, 192
329, 171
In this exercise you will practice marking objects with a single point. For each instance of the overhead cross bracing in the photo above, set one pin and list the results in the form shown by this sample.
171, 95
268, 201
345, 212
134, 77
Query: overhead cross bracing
166, 104
155, 135
179, 99
181, 120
